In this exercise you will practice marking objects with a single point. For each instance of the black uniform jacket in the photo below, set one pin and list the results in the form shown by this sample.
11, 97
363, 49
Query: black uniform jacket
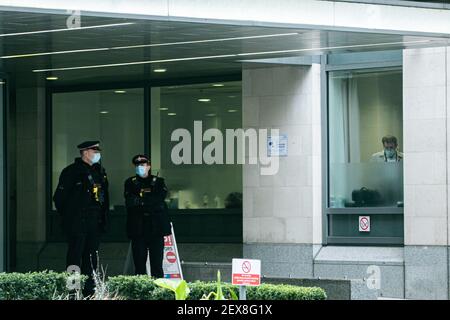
75, 196
144, 199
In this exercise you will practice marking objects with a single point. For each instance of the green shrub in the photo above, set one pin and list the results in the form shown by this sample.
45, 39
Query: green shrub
44, 285
199, 288
285, 292
50, 285
143, 288
138, 288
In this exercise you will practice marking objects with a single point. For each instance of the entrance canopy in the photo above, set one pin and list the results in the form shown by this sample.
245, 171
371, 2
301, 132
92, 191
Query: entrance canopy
86, 49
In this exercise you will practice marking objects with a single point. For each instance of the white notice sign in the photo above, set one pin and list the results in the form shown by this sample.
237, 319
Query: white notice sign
364, 223
277, 146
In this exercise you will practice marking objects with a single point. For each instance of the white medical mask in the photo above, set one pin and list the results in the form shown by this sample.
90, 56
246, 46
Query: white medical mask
96, 158
141, 171
390, 153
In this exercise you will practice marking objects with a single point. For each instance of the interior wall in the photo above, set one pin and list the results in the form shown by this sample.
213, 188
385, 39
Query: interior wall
380, 102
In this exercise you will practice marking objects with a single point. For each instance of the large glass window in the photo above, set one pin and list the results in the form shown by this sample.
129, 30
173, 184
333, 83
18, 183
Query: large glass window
115, 117
213, 106
205, 199
365, 152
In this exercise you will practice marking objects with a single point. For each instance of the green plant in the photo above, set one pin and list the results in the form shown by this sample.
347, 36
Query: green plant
218, 295
178, 287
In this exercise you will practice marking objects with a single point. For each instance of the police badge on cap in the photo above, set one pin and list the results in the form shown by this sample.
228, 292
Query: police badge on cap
140, 158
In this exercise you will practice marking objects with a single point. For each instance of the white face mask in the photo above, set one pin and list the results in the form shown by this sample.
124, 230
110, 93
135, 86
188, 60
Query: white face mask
141, 171
390, 153
96, 158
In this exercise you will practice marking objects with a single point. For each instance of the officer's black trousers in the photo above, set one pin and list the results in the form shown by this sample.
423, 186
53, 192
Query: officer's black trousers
82, 250
155, 245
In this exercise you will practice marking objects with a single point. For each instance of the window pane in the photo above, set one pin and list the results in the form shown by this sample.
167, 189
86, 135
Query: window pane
196, 186
365, 109
113, 117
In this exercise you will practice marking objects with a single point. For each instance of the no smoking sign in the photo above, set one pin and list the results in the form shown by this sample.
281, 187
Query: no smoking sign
364, 223
246, 266
246, 272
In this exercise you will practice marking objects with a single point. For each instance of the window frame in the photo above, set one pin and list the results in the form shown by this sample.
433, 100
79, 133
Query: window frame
326, 67
8, 217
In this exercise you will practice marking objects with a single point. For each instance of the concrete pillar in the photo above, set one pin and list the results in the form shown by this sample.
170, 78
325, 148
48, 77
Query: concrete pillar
426, 169
280, 210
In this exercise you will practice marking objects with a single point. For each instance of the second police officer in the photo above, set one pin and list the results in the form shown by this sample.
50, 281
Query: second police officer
147, 216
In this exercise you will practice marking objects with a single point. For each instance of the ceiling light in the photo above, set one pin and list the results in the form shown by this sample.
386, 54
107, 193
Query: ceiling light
228, 56
119, 91
210, 114
104, 112
232, 110
160, 70
218, 85
171, 114
231, 96
65, 29
209, 40
163, 109
144, 45
136, 63
27, 55
52, 78
204, 100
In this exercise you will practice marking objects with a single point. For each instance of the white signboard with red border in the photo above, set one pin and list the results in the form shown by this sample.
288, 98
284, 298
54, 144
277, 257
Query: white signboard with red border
246, 272
171, 259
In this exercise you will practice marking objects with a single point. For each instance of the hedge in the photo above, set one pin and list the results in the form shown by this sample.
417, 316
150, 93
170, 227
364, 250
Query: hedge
143, 288
49, 285
137, 288
46, 285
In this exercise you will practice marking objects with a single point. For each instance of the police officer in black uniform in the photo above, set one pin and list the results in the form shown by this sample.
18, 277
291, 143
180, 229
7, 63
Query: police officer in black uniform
147, 217
82, 200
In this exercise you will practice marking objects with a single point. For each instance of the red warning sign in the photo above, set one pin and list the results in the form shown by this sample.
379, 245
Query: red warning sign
171, 257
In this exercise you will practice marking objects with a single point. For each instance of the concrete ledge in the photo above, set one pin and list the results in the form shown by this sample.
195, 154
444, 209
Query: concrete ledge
360, 255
